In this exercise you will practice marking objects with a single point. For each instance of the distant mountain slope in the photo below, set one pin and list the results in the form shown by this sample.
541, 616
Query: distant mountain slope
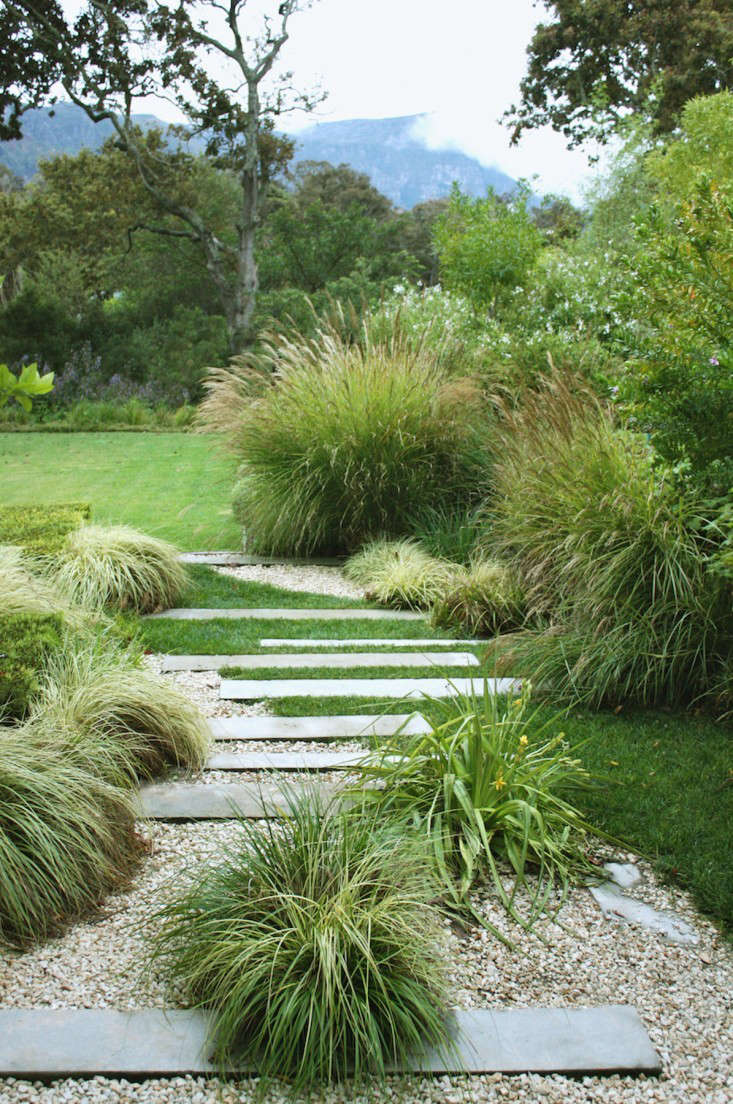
399, 165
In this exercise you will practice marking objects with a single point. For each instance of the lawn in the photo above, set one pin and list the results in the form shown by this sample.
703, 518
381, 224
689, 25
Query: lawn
171, 485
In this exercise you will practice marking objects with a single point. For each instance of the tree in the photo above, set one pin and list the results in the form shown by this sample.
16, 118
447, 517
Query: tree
598, 60
114, 53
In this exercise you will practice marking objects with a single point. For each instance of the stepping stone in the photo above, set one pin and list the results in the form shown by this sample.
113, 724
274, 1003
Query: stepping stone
350, 727
259, 689
287, 761
53, 1043
319, 659
269, 614
612, 902
244, 559
217, 801
358, 642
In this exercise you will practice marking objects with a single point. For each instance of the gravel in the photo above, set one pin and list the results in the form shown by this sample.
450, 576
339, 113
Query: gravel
683, 994
311, 580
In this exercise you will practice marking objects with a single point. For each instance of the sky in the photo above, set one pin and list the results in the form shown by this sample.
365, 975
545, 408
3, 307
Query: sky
458, 62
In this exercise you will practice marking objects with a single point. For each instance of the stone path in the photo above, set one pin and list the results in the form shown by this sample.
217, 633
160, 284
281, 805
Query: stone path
244, 559
46, 1043
294, 614
217, 800
258, 689
359, 642
284, 760
304, 660
350, 727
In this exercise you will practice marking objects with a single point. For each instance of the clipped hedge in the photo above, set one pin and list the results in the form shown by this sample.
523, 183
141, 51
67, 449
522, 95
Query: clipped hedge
41, 530
26, 641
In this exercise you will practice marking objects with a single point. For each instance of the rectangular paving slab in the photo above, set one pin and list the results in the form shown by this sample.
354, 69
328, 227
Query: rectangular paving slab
349, 727
215, 801
269, 614
245, 559
360, 642
285, 761
319, 659
257, 689
52, 1043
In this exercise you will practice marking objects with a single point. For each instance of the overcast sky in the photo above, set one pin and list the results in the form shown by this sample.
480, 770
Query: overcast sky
459, 61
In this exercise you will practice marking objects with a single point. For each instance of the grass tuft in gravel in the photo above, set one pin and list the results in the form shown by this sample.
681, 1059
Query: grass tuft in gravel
66, 837
118, 718
315, 945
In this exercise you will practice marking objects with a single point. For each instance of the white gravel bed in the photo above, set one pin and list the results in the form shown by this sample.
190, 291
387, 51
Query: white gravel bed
683, 994
202, 687
286, 747
264, 778
311, 580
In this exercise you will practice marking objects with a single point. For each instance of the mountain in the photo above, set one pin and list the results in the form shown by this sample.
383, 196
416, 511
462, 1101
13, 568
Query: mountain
397, 163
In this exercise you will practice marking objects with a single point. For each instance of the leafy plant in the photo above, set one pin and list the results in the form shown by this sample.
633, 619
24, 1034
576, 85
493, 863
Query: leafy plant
315, 944
26, 642
115, 718
41, 530
399, 573
25, 386
610, 554
340, 441
122, 567
66, 837
487, 789
480, 600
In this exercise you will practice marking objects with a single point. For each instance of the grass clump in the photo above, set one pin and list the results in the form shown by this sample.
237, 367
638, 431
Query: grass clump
488, 788
24, 589
482, 599
314, 944
340, 441
66, 837
399, 574
612, 557
27, 641
120, 567
117, 718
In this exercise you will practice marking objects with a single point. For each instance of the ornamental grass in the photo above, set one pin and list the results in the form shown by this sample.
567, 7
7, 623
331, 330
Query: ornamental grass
399, 574
315, 945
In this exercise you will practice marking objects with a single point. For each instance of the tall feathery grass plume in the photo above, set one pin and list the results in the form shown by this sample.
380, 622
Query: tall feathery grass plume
340, 441
119, 567
315, 945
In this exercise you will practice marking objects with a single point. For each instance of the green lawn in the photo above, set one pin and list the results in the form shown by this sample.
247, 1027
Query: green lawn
171, 485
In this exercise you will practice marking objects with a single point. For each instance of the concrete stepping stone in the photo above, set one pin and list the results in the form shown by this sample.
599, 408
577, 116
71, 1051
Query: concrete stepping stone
215, 801
319, 659
350, 727
270, 614
360, 642
44, 1044
284, 761
259, 689
612, 902
244, 559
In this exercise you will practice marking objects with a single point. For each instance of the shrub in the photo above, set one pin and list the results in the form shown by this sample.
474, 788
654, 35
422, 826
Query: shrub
116, 719
489, 785
399, 573
447, 532
341, 442
611, 554
26, 642
315, 944
66, 838
121, 567
480, 600
40, 530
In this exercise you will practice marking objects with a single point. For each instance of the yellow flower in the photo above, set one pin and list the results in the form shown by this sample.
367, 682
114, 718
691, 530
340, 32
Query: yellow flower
500, 784
523, 741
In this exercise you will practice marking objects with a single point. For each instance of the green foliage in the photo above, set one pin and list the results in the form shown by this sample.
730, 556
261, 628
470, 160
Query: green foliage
119, 567
482, 599
609, 552
679, 385
25, 386
66, 837
340, 441
486, 247
116, 719
448, 532
27, 641
40, 530
314, 944
399, 573
488, 786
